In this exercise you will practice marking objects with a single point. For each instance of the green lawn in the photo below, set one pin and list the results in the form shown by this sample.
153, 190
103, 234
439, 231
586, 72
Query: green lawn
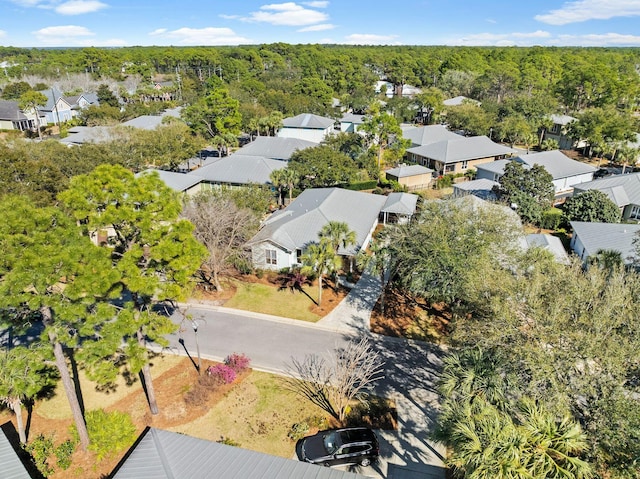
262, 298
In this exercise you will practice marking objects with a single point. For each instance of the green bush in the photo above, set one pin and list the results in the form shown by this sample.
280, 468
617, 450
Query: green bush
64, 452
551, 219
228, 441
298, 431
109, 433
445, 181
41, 448
362, 185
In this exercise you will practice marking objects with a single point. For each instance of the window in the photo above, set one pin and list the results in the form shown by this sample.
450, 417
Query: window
299, 255
450, 168
271, 256
464, 164
635, 212
555, 129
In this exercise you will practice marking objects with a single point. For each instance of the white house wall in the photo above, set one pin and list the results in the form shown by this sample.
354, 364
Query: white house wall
565, 184
284, 259
578, 247
314, 135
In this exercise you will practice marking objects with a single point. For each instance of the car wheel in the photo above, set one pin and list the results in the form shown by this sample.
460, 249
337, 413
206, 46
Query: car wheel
365, 461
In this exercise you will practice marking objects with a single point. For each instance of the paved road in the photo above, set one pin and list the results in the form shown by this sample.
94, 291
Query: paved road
410, 369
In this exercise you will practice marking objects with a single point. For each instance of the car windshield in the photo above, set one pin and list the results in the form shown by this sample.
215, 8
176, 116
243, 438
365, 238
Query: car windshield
331, 442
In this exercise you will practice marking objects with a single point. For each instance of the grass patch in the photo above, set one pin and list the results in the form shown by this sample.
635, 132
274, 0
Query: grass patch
262, 298
257, 414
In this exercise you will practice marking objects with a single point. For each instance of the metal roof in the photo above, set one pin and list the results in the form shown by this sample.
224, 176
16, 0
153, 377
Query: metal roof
455, 150
424, 135
308, 121
160, 454
482, 188
176, 181
597, 237
561, 119
151, 122
11, 466
275, 147
459, 100
9, 110
298, 225
403, 171
629, 183
239, 169
557, 164
496, 167
553, 244
79, 135
400, 203
353, 118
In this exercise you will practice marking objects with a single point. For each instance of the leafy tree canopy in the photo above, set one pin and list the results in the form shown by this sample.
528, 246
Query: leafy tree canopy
593, 206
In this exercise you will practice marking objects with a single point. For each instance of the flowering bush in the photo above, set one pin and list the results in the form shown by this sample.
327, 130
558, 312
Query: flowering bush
225, 374
237, 362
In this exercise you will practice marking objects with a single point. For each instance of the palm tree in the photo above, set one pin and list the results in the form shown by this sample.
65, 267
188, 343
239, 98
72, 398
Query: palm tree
23, 375
278, 180
322, 259
378, 262
337, 233
290, 178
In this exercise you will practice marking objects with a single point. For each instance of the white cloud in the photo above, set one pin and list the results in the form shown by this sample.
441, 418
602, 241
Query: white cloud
583, 10
318, 28
318, 4
63, 35
544, 38
229, 17
2, 33
27, 3
289, 14
599, 40
79, 7
370, 39
201, 36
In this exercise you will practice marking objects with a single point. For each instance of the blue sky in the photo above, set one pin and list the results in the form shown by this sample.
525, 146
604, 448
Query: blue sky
42, 23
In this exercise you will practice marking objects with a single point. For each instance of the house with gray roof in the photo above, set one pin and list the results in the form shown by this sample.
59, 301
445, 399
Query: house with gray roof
12, 118
238, 170
159, 454
180, 182
549, 243
413, 177
57, 109
399, 208
350, 122
482, 188
151, 122
13, 461
307, 126
424, 135
565, 172
79, 135
589, 239
274, 147
287, 233
459, 100
559, 132
623, 190
458, 155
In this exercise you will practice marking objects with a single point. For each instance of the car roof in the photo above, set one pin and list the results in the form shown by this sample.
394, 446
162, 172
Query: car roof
352, 435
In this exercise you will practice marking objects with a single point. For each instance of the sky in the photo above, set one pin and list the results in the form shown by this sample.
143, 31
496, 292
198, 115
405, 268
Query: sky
101, 23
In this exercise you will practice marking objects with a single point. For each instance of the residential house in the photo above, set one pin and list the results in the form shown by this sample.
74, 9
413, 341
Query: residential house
459, 100
160, 454
79, 135
84, 100
589, 239
287, 233
399, 208
186, 184
482, 188
307, 126
559, 133
623, 190
237, 170
12, 118
549, 243
565, 172
274, 147
350, 123
413, 177
425, 135
151, 122
14, 463
458, 155
57, 109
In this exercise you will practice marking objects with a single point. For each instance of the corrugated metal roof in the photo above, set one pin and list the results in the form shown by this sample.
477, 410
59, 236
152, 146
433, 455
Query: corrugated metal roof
459, 100
353, 118
79, 135
308, 120
404, 171
298, 224
553, 244
630, 183
496, 167
169, 455
400, 203
557, 164
239, 169
176, 181
455, 150
424, 135
275, 147
596, 237
11, 466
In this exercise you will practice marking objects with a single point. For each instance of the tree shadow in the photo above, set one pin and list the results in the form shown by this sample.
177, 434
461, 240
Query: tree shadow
75, 376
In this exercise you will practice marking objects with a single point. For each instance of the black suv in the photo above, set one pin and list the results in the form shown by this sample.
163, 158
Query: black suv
356, 445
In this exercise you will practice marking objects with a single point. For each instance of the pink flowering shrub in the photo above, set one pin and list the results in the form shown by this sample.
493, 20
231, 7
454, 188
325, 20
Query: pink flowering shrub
222, 373
237, 362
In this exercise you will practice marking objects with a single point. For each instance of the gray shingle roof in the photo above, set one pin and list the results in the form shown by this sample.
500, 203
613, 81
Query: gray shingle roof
400, 203
239, 169
298, 224
9, 110
424, 135
606, 236
553, 244
403, 171
170, 455
557, 164
11, 466
275, 147
309, 121
455, 150
176, 181
629, 183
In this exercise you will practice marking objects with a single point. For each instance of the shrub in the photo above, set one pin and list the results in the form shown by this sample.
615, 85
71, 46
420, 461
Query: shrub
298, 431
237, 362
224, 373
41, 448
110, 433
197, 396
228, 441
362, 185
551, 219
64, 452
